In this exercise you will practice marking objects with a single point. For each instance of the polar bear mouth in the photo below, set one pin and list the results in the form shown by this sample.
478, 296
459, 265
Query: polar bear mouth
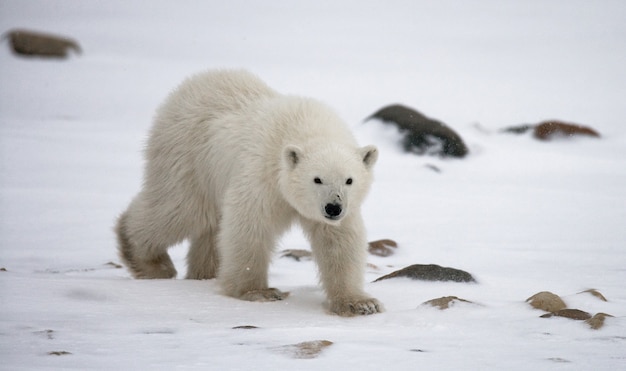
333, 211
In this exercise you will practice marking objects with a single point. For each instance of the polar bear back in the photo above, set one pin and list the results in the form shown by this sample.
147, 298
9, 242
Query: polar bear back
215, 93
237, 113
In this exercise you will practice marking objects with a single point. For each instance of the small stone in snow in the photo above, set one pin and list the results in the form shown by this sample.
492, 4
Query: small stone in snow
305, 350
244, 327
596, 322
446, 302
59, 353
296, 254
382, 247
595, 293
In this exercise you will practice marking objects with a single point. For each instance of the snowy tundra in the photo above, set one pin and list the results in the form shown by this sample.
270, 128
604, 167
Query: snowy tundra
521, 216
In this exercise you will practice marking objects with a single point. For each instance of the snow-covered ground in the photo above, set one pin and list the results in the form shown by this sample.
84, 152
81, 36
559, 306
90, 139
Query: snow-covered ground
522, 216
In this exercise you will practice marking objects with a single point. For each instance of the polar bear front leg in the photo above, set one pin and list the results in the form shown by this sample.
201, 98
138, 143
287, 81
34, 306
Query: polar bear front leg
340, 252
246, 246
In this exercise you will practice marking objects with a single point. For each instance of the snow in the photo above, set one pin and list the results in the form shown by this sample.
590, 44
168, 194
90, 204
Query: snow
522, 216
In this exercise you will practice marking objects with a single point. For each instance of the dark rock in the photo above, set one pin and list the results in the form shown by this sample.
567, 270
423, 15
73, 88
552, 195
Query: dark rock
430, 272
422, 135
553, 128
245, 327
576, 314
382, 247
30, 43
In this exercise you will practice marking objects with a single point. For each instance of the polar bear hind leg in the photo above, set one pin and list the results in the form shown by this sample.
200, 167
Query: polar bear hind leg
203, 258
156, 264
144, 236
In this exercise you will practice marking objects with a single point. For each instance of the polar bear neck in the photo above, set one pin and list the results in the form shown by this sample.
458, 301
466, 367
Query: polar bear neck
307, 122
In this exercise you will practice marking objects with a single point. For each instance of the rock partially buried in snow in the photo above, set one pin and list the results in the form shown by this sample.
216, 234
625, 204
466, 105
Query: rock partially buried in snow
305, 350
553, 304
430, 272
382, 247
446, 302
422, 135
596, 322
551, 129
546, 301
595, 293
576, 314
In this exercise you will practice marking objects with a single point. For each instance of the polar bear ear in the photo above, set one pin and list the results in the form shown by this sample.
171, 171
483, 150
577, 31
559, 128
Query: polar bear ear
292, 155
369, 154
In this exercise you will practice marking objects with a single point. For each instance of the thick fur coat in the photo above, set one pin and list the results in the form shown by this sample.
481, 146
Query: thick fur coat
230, 165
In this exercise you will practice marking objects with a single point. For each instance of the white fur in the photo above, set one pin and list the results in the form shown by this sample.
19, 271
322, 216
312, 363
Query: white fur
231, 164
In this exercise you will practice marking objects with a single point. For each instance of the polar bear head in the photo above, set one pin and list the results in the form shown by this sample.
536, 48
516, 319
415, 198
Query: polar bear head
325, 182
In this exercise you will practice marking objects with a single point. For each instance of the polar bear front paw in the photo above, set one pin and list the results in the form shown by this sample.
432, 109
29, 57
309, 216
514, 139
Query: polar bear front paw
270, 294
358, 307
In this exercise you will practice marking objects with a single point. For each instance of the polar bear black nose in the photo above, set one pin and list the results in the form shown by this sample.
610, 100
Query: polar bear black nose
333, 210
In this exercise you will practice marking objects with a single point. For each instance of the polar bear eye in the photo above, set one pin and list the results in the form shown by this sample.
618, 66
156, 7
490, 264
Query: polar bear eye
317, 180
349, 181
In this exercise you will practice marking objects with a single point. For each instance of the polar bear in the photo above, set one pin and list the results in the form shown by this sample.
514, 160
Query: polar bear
230, 165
